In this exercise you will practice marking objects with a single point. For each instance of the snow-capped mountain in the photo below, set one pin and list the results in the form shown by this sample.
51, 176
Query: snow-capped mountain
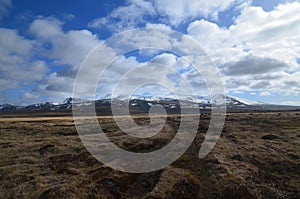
7, 107
245, 101
144, 103
66, 104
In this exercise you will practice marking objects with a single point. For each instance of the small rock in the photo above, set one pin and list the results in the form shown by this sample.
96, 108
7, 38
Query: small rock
43, 149
269, 137
237, 157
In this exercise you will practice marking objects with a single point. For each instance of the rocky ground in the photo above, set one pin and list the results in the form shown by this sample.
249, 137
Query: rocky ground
257, 156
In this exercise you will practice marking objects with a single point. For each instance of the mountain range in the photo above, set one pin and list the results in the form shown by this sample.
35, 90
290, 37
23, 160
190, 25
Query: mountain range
144, 103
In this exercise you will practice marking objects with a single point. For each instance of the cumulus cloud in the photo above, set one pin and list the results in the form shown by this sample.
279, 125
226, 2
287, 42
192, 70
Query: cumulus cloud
184, 72
173, 12
265, 93
255, 32
125, 17
158, 25
46, 28
260, 46
258, 53
178, 11
165, 59
132, 74
69, 47
30, 96
260, 85
63, 48
16, 66
284, 83
253, 65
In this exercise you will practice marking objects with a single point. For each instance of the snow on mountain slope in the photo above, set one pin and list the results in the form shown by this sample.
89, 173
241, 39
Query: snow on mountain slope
246, 101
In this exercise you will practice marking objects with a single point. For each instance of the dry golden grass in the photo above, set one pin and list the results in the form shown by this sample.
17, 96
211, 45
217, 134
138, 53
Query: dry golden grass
257, 156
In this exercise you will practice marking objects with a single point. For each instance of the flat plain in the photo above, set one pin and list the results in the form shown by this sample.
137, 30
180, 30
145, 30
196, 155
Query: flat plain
257, 156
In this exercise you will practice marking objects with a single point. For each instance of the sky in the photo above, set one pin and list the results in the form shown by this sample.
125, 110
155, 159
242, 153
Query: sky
255, 44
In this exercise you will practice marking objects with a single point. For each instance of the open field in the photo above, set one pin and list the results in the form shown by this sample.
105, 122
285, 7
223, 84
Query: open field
257, 156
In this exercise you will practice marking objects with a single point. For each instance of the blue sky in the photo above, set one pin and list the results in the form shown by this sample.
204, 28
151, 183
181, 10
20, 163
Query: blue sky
255, 44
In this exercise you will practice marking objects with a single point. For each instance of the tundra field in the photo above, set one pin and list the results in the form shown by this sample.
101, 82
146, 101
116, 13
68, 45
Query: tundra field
257, 156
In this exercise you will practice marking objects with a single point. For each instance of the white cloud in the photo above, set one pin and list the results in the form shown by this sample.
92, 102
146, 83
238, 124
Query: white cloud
253, 65
132, 73
183, 73
259, 51
16, 66
125, 17
69, 47
46, 28
278, 82
30, 96
255, 32
14, 44
173, 12
165, 59
265, 93
178, 11
162, 26
72, 46
291, 103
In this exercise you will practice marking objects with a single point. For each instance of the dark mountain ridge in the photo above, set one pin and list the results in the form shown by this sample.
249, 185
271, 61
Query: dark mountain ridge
142, 104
